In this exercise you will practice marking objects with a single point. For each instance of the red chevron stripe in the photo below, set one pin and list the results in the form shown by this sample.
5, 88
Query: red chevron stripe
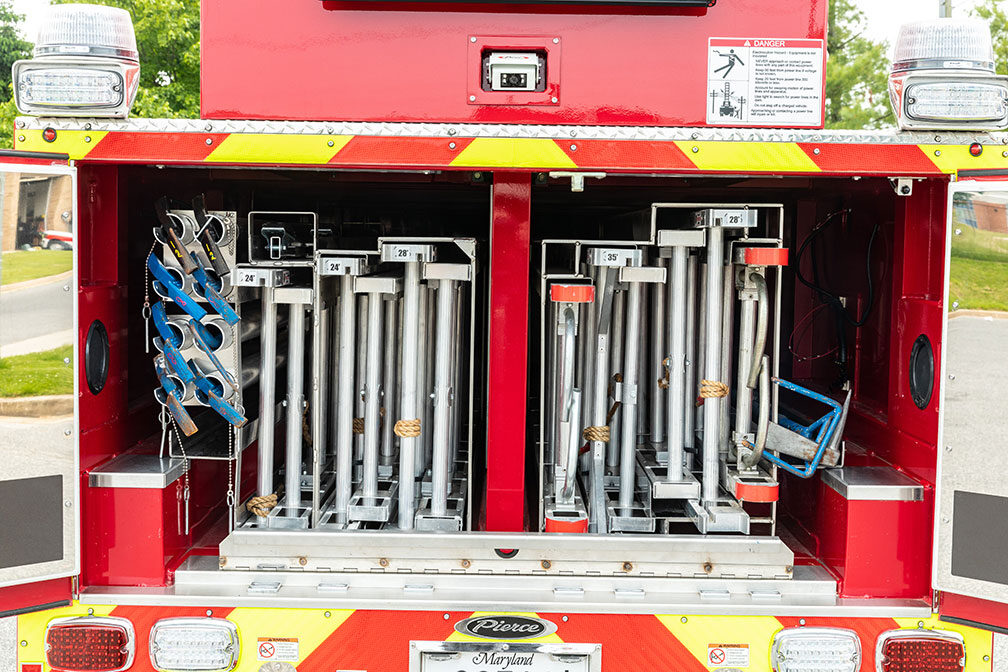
630, 642
378, 641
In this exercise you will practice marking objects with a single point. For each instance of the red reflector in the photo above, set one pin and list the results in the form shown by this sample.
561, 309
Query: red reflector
572, 293
31, 667
917, 651
976, 149
89, 644
49, 135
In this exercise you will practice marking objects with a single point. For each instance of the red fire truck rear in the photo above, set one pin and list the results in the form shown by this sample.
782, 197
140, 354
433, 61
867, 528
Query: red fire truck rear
538, 337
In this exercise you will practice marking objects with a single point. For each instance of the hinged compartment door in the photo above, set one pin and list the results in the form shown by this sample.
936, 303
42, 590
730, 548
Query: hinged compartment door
971, 517
39, 484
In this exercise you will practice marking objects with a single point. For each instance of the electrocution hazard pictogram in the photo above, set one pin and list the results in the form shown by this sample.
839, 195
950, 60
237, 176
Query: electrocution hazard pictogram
764, 82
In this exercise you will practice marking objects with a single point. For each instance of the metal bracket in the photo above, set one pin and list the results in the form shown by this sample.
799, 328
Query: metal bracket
577, 179
903, 186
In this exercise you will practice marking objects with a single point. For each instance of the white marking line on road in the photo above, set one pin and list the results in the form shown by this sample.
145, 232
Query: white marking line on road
38, 344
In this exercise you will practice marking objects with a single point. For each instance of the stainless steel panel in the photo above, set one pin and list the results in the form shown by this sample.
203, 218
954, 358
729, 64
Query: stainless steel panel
873, 483
38, 353
973, 378
137, 471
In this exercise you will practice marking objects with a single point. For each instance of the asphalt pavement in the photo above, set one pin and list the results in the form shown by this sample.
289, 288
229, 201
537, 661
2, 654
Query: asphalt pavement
30, 314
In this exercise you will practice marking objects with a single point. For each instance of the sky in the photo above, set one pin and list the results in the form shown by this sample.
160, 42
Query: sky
884, 16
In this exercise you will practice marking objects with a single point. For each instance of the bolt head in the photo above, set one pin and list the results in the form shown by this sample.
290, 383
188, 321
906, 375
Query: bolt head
554, 99
816, 151
331, 143
451, 145
556, 40
471, 39
472, 99
209, 141
573, 148
695, 149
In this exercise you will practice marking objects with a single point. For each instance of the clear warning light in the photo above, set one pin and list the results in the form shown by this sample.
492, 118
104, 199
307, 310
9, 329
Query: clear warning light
816, 650
194, 645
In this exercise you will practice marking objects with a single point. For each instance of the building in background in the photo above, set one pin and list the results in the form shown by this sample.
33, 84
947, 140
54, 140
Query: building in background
36, 211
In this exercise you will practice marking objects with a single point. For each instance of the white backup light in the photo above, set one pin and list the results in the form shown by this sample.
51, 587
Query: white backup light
86, 64
816, 650
194, 645
943, 77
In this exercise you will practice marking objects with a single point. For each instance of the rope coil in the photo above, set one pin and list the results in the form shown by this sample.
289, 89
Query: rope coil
713, 389
407, 428
663, 381
358, 425
596, 433
261, 505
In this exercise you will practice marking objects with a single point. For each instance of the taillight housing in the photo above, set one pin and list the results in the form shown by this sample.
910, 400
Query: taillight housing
194, 645
90, 644
816, 650
920, 651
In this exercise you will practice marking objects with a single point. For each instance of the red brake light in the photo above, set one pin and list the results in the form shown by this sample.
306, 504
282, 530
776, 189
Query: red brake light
89, 644
920, 651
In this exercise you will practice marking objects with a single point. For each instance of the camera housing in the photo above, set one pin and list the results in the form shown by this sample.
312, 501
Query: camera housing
514, 71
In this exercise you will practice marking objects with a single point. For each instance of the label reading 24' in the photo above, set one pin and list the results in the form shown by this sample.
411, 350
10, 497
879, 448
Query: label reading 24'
764, 82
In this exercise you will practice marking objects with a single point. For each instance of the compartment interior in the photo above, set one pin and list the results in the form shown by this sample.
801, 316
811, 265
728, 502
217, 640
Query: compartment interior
873, 264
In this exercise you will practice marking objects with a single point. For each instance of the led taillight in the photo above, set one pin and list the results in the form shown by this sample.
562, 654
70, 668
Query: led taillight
816, 650
194, 645
89, 644
920, 651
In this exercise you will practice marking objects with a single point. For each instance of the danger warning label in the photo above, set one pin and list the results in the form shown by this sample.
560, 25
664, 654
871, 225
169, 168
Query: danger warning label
284, 649
728, 655
764, 82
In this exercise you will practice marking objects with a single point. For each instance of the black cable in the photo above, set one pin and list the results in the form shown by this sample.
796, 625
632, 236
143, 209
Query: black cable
827, 296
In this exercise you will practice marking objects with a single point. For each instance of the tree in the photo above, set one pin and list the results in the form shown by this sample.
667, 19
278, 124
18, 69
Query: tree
167, 33
857, 86
993, 12
12, 47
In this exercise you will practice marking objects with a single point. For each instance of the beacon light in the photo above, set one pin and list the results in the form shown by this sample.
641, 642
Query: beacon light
85, 64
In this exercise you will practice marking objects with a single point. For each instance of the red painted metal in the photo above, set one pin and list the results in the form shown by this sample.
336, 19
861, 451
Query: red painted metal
572, 293
508, 351
765, 256
577, 526
392, 62
981, 613
877, 548
750, 492
35, 596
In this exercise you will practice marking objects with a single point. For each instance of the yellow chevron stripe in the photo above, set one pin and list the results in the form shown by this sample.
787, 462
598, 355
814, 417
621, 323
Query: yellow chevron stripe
309, 626
700, 631
744, 157
513, 153
278, 148
952, 158
459, 637
31, 629
979, 643
76, 144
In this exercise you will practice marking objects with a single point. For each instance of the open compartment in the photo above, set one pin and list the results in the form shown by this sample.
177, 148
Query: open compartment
278, 496
829, 447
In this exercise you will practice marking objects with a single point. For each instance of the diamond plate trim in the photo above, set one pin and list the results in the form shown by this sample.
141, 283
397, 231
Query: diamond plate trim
554, 132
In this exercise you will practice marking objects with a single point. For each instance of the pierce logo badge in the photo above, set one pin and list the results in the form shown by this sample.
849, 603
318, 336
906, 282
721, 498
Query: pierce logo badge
505, 627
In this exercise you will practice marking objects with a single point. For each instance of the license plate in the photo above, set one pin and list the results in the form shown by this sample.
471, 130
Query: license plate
476, 657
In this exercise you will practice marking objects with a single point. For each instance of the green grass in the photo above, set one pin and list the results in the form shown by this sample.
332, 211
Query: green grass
37, 374
31, 264
979, 277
